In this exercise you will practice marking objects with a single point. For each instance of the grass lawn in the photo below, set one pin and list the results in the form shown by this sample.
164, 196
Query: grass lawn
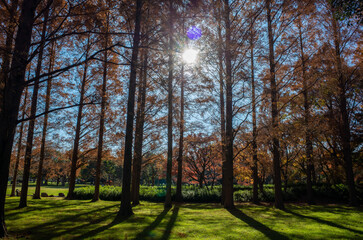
51, 189
55, 218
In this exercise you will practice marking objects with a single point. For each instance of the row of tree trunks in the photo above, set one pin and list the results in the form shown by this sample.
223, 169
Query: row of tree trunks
72, 178
11, 98
96, 195
45, 125
33, 110
125, 208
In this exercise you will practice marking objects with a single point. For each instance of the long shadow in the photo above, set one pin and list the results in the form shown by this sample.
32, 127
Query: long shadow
101, 229
35, 208
268, 232
146, 232
322, 221
69, 218
171, 223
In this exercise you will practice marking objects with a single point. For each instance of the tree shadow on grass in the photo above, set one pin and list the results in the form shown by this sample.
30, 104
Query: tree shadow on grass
146, 232
101, 229
171, 223
268, 232
322, 221
32, 207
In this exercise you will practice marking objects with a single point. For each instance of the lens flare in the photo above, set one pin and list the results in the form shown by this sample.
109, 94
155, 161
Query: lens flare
190, 55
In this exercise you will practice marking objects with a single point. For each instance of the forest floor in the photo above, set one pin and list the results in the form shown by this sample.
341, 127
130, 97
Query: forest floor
55, 218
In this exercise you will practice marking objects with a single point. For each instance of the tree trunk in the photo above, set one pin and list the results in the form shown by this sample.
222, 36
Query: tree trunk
72, 178
254, 124
45, 125
33, 110
308, 142
5, 66
274, 114
344, 118
228, 178
179, 196
11, 100
167, 203
221, 105
16, 168
96, 195
125, 209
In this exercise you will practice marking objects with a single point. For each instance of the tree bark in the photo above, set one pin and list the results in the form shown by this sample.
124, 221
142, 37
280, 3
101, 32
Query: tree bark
16, 167
33, 110
96, 195
228, 178
167, 203
254, 124
11, 101
179, 196
126, 209
344, 117
72, 178
6, 58
221, 104
308, 142
45, 125
139, 132
274, 114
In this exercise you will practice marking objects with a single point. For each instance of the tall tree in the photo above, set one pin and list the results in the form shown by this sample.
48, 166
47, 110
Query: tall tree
45, 125
125, 209
228, 170
274, 113
344, 129
96, 195
11, 100
167, 203
72, 179
16, 167
33, 110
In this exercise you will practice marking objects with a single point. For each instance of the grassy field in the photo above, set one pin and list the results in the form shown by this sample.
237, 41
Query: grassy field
51, 189
55, 218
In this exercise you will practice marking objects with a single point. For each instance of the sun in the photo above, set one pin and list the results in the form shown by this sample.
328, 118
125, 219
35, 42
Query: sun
190, 55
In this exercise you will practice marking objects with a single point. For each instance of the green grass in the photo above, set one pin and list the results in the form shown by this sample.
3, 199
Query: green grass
55, 218
51, 189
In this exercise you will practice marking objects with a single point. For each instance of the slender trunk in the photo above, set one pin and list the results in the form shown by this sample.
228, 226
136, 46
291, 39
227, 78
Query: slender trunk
125, 209
221, 105
167, 203
308, 142
16, 168
96, 195
179, 196
344, 117
5, 66
274, 115
45, 125
72, 178
228, 178
33, 110
139, 132
254, 124
11, 101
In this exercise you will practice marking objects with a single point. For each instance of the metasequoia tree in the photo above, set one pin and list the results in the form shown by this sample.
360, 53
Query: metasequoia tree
33, 110
11, 100
125, 208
